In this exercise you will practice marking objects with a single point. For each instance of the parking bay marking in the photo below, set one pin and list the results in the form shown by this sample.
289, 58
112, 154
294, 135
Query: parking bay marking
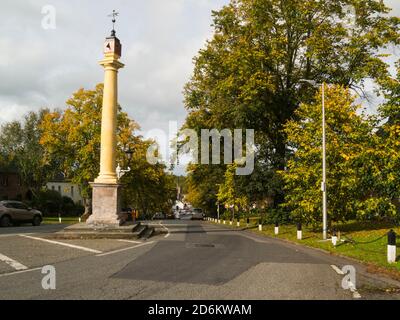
12, 263
63, 244
124, 249
130, 241
20, 272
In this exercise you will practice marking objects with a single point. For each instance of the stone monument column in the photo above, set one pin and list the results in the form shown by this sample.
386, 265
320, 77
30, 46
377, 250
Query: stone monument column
106, 188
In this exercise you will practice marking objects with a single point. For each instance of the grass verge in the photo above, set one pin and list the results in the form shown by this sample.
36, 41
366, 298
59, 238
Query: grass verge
64, 220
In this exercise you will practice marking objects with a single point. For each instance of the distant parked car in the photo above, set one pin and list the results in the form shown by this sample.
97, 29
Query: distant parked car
186, 216
14, 212
159, 216
198, 214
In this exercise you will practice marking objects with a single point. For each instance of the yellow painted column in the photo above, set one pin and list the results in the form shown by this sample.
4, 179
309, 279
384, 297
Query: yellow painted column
108, 173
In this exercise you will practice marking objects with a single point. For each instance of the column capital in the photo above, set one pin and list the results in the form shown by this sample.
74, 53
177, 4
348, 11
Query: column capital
111, 61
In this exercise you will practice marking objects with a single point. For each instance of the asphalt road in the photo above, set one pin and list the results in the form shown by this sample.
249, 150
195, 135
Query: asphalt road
192, 260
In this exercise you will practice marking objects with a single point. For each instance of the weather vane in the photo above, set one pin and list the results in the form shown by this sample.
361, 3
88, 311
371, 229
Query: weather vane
114, 16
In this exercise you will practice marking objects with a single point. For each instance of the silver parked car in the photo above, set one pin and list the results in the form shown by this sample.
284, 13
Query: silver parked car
15, 212
198, 214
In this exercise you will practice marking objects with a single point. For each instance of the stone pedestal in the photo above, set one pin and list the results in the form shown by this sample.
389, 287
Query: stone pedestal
106, 205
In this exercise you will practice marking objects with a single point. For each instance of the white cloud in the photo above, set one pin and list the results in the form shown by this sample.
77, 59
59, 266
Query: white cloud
44, 67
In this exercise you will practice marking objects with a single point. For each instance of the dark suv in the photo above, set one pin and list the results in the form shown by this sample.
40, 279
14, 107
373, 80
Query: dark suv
15, 212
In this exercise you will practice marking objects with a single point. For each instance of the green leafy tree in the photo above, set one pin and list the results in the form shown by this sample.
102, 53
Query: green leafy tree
148, 188
248, 75
228, 192
20, 148
385, 170
350, 154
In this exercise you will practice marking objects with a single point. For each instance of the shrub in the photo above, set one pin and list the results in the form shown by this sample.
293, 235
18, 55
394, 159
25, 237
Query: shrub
279, 215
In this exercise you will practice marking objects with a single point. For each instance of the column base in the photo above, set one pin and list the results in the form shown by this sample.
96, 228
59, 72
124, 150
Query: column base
106, 179
106, 205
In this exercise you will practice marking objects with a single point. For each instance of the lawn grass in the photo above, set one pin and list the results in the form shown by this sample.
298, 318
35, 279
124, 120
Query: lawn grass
363, 241
65, 220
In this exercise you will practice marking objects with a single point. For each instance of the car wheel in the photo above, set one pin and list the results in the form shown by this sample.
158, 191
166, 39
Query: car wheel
5, 221
37, 221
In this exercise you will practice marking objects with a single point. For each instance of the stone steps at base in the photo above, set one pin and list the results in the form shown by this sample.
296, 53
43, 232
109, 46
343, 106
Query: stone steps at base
82, 231
147, 233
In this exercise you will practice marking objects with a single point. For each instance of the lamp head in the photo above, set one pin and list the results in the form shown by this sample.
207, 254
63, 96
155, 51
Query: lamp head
129, 154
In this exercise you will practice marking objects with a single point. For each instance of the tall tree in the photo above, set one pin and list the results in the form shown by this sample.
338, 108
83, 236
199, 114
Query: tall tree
387, 153
248, 76
351, 143
228, 192
20, 148
148, 188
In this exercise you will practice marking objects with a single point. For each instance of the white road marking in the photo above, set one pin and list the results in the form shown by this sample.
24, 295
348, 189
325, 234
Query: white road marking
12, 263
124, 249
13, 235
172, 224
356, 295
19, 272
168, 234
129, 241
352, 287
338, 271
63, 244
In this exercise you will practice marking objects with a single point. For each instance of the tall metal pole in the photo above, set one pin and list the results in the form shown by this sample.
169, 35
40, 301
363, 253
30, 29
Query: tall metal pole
324, 191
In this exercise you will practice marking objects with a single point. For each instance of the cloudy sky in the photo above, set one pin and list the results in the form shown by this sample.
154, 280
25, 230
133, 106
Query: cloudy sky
41, 67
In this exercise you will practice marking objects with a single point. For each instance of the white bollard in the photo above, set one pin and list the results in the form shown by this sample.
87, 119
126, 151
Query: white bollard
391, 249
276, 231
391, 254
260, 227
224, 222
80, 219
299, 235
231, 222
299, 232
334, 238
59, 219
238, 224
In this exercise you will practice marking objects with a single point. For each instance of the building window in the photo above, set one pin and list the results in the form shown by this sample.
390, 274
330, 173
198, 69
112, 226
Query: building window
72, 192
4, 181
53, 188
59, 189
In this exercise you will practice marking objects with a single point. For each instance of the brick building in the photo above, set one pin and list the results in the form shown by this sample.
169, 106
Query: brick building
11, 187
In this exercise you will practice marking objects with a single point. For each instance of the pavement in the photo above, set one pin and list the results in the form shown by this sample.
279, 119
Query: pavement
191, 260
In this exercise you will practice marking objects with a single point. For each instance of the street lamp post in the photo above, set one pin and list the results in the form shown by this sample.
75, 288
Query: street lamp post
323, 186
121, 172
